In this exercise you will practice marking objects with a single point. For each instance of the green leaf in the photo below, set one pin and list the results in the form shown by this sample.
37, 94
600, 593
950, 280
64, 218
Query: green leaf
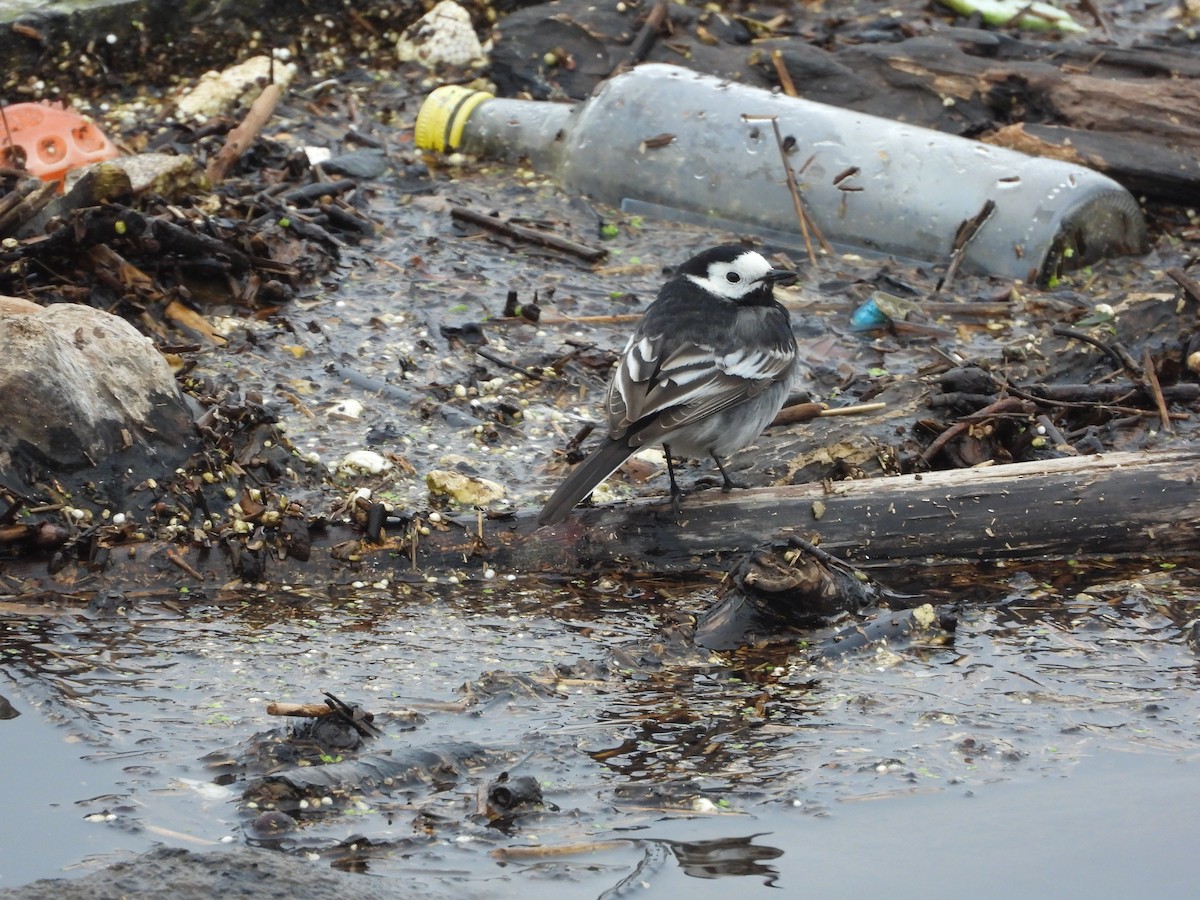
1035, 16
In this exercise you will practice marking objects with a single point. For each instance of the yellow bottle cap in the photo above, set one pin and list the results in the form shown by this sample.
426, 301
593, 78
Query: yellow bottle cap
443, 115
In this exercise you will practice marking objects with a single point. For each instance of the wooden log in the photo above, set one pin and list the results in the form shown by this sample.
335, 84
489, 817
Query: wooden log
1129, 504
1141, 166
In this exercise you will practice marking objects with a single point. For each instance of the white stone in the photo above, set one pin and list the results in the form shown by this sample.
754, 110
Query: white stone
219, 92
441, 37
364, 462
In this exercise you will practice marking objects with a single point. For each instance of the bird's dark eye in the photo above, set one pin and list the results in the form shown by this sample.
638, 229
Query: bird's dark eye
733, 277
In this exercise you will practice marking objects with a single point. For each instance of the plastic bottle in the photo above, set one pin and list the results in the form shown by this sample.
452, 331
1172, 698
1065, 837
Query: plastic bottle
667, 139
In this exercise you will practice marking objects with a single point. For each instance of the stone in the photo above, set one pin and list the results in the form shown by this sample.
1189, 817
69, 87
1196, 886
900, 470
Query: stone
443, 36
465, 490
83, 390
221, 92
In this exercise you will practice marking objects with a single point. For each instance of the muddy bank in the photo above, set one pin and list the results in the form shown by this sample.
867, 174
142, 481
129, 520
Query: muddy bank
311, 313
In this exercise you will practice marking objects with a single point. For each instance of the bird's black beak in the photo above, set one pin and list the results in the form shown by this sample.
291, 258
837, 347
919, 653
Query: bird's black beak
780, 276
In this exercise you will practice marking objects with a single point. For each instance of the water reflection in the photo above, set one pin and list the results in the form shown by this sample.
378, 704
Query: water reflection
597, 698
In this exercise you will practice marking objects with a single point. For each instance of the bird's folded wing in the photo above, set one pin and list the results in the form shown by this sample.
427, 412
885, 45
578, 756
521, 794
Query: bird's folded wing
694, 382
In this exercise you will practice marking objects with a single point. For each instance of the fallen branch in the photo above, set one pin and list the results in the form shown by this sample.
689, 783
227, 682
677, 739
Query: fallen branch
1137, 504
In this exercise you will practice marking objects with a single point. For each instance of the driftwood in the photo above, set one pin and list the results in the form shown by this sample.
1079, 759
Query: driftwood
1114, 109
1139, 505
1134, 504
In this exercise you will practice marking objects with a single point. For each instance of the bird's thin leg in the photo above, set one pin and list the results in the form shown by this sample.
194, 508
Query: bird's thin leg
676, 490
729, 484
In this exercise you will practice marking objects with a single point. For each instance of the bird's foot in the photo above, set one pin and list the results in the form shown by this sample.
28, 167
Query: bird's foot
729, 483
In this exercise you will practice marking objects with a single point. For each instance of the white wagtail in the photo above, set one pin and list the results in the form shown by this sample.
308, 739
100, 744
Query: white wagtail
708, 368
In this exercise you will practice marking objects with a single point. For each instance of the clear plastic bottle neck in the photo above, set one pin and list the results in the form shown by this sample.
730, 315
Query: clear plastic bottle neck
515, 130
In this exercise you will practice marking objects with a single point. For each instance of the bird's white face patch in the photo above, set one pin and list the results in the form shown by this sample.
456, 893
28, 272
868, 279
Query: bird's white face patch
733, 280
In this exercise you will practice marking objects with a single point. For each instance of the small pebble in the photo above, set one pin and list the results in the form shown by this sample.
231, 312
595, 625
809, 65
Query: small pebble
366, 462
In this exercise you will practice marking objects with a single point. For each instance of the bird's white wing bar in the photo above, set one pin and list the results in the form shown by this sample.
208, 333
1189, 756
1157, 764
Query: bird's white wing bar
690, 384
757, 365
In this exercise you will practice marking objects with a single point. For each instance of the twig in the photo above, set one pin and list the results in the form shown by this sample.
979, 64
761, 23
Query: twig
1127, 360
505, 364
806, 222
803, 412
1189, 284
306, 710
784, 76
1002, 406
1026, 10
22, 205
656, 23
962, 237
1156, 390
821, 556
180, 563
617, 319
568, 321
856, 409
797, 412
307, 193
549, 852
243, 136
194, 243
414, 531
1102, 20
1052, 432
1075, 334
531, 235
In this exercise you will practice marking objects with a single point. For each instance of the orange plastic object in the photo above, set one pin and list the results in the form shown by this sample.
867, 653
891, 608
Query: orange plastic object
52, 139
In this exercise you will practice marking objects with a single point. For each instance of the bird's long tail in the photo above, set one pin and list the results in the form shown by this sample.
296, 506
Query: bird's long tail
601, 463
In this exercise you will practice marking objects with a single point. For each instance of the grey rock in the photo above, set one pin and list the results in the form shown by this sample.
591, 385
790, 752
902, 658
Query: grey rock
81, 389
237, 872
